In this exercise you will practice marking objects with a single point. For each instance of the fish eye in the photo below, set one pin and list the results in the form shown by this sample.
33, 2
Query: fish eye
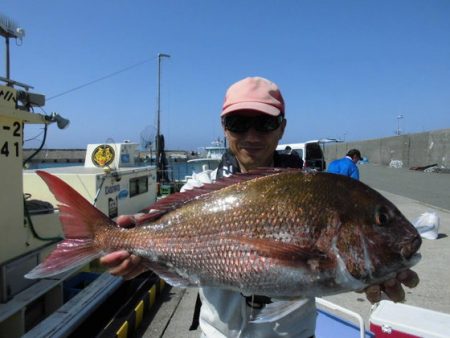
382, 216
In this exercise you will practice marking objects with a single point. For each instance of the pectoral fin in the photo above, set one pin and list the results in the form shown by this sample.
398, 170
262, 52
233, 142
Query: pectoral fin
285, 253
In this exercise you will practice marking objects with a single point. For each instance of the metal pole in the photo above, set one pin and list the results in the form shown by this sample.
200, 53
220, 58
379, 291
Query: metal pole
158, 105
7, 57
158, 112
159, 147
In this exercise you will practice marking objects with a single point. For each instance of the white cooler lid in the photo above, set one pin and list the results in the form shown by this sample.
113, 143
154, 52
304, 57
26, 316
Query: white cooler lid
411, 319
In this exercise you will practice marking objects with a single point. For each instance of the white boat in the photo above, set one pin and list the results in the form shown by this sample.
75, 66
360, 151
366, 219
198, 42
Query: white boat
209, 159
110, 180
214, 151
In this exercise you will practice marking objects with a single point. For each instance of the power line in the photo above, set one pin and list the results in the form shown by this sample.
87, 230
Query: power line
100, 79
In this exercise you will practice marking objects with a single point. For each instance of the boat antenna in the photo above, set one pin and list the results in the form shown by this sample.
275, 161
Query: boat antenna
9, 29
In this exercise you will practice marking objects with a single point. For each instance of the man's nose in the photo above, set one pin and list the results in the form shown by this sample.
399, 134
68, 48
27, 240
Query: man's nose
253, 134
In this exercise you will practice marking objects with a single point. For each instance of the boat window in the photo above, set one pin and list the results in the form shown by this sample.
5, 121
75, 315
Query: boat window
138, 185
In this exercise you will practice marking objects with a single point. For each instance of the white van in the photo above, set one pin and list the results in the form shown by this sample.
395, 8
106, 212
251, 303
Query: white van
310, 152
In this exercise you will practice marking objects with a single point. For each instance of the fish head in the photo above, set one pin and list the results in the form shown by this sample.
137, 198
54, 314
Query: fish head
375, 240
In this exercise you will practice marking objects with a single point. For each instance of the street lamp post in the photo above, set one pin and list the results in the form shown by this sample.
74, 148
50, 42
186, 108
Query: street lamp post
399, 117
158, 112
160, 157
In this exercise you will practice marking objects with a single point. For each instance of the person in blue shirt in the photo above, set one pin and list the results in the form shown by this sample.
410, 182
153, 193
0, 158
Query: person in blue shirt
347, 165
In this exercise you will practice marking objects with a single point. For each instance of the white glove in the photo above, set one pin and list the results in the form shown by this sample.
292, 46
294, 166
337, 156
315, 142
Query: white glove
198, 180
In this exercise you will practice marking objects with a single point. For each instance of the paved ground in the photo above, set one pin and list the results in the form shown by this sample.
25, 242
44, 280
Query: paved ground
413, 193
429, 188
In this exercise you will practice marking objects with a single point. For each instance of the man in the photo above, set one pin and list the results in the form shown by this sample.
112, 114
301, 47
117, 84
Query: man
253, 118
347, 165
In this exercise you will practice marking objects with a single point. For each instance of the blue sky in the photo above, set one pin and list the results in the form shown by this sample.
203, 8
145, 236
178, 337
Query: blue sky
345, 68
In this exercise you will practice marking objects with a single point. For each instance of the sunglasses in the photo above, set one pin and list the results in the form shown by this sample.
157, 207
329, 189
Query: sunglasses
241, 124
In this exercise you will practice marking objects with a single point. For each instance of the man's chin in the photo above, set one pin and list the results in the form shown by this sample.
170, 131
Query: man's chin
251, 161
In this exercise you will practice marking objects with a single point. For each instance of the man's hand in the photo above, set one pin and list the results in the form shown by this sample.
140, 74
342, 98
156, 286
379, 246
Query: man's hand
393, 288
122, 263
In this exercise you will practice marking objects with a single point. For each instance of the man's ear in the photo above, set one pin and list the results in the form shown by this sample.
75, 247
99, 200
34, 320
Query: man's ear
283, 126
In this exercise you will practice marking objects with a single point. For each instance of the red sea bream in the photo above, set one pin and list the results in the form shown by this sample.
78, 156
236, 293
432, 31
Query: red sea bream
280, 233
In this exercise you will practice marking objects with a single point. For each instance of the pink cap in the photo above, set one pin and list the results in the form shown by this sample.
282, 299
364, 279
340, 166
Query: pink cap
254, 93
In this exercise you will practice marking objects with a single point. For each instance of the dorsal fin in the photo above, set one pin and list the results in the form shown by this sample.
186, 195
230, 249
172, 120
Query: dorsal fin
176, 200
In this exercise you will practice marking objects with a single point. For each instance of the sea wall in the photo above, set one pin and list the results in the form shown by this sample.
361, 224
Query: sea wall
421, 149
55, 155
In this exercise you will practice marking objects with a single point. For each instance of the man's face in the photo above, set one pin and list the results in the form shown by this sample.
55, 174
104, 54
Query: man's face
254, 148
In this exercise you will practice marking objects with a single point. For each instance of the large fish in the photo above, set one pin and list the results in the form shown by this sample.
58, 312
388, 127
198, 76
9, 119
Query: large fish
279, 233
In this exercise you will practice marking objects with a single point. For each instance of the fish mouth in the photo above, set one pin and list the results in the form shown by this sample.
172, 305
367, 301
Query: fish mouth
413, 260
409, 250
391, 271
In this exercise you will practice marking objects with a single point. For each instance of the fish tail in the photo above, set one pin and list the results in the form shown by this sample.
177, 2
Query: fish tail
80, 221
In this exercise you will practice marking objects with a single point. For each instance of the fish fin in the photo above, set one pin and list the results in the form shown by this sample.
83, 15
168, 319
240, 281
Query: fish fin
79, 219
68, 255
170, 276
176, 200
287, 254
278, 309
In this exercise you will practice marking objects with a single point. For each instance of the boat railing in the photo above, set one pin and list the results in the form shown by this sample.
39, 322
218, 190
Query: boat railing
334, 307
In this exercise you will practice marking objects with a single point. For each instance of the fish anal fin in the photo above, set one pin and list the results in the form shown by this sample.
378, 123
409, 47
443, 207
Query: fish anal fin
169, 275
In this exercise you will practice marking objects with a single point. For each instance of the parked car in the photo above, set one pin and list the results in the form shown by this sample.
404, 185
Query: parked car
310, 152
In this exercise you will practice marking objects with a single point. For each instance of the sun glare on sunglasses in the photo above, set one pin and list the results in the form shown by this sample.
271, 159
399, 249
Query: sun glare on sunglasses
241, 124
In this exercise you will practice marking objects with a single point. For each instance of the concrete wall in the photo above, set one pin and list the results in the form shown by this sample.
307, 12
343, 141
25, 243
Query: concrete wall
413, 150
